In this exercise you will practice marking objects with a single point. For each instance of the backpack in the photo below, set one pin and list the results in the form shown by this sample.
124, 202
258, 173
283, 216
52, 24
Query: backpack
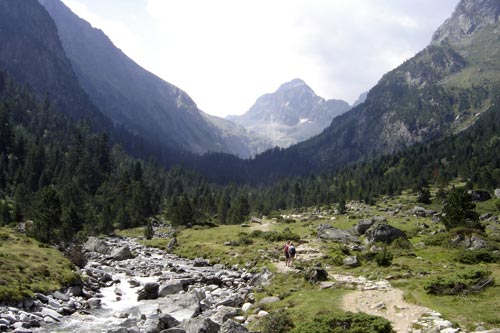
291, 250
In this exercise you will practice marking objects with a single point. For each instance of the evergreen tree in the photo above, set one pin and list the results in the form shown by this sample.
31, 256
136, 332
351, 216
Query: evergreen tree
46, 212
459, 210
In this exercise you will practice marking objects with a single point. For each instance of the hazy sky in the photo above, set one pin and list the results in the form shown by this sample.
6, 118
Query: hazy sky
227, 53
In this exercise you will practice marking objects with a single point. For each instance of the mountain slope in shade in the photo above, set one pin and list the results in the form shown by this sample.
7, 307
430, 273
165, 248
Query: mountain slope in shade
292, 114
134, 97
32, 53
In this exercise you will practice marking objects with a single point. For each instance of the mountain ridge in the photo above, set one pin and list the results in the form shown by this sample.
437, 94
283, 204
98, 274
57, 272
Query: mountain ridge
291, 114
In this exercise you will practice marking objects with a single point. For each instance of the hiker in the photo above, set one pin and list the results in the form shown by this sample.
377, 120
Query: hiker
291, 253
287, 255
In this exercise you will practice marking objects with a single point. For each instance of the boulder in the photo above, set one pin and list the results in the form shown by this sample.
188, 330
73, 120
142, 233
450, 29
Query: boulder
363, 225
149, 291
231, 326
497, 193
384, 233
46, 312
470, 242
200, 325
94, 244
351, 261
269, 300
158, 323
180, 306
122, 253
224, 313
421, 211
328, 232
170, 288
316, 274
480, 195
94, 303
200, 262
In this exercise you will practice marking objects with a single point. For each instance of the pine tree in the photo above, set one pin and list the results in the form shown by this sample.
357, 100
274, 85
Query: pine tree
459, 210
46, 212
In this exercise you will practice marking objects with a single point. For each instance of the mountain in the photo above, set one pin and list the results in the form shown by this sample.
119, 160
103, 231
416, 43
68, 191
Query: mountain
361, 99
292, 114
32, 53
441, 90
136, 98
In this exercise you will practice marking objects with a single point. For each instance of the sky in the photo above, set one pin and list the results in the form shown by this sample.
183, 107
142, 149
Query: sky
227, 53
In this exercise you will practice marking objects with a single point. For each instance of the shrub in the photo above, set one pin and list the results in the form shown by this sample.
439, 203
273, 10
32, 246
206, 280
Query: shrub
345, 323
459, 210
439, 239
472, 257
384, 258
460, 283
276, 322
286, 234
401, 244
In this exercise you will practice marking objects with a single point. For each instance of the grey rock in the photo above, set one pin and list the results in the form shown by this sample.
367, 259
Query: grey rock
94, 244
328, 232
46, 312
200, 262
421, 211
269, 300
497, 193
480, 195
158, 323
171, 287
94, 303
44, 299
384, 233
351, 261
149, 291
75, 290
122, 253
171, 244
224, 313
119, 330
231, 326
60, 296
363, 225
174, 330
200, 325
485, 216
316, 274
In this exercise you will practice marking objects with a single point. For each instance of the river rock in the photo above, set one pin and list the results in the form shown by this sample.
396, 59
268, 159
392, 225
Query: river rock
224, 313
180, 306
200, 262
46, 312
94, 244
149, 291
384, 233
200, 325
328, 232
60, 296
122, 253
94, 303
171, 287
119, 330
158, 323
231, 326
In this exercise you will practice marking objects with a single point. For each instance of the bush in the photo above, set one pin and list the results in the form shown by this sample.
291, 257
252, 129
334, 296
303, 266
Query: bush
460, 283
439, 239
472, 257
276, 322
384, 258
286, 234
346, 323
76, 256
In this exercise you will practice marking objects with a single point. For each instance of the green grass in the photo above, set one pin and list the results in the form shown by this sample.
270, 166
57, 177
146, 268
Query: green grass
27, 266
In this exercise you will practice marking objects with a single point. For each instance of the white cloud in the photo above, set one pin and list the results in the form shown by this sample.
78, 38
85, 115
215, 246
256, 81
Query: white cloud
226, 53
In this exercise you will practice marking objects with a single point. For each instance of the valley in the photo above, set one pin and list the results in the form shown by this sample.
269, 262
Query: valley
125, 208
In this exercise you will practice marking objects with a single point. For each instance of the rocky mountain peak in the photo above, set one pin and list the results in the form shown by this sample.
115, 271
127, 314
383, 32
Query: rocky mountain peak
469, 17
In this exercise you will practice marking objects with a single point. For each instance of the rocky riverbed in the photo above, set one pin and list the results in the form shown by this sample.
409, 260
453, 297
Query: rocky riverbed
130, 288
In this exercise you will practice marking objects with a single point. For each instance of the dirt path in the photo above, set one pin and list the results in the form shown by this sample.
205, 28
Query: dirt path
386, 303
